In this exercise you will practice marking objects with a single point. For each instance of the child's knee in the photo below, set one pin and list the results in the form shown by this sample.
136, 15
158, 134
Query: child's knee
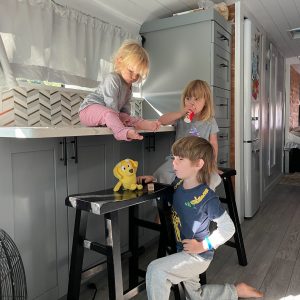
153, 269
110, 112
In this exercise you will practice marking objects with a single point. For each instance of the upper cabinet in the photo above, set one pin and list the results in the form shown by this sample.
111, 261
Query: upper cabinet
182, 48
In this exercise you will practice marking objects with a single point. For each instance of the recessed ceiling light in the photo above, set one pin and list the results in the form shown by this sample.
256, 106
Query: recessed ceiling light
294, 33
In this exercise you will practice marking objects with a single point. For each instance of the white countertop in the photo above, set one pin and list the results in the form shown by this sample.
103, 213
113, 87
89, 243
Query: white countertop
49, 132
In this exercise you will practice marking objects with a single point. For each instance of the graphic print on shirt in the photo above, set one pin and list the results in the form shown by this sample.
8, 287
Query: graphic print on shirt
176, 224
190, 204
197, 200
178, 184
193, 131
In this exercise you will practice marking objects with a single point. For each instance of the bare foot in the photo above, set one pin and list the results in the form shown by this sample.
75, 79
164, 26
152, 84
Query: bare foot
133, 135
246, 291
149, 125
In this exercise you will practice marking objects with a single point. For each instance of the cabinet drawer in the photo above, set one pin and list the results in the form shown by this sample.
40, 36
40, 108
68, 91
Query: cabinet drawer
222, 106
220, 67
221, 37
223, 136
223, 156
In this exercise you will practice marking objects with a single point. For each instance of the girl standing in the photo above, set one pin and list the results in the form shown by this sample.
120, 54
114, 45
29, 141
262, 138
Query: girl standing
109, 104
196, 102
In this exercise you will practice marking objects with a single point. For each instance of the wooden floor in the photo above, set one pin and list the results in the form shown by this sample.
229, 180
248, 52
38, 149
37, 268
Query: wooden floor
272, 242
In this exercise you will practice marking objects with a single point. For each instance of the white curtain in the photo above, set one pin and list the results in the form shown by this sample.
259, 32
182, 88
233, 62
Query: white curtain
46, 41
7, 77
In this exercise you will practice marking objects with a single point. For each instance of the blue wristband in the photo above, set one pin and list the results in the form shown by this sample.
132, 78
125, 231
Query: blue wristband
209, 245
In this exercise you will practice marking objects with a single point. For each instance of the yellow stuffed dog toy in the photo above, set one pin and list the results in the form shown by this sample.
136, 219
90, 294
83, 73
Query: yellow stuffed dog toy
125, 171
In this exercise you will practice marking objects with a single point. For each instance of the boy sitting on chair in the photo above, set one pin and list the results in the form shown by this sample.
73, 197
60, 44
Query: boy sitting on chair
194, 206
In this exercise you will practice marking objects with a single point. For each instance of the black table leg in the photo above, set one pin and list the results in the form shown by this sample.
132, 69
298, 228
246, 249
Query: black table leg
133, 246
114, 267
77, 255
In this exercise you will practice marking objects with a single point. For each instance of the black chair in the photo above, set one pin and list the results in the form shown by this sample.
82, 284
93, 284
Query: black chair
229, 200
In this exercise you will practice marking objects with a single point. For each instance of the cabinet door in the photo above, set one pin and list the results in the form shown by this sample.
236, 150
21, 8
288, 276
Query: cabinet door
178, 55
94, 171
156, 148
35, 188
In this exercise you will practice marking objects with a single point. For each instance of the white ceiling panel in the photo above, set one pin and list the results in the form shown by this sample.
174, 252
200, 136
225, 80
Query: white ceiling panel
290, 11
277, 16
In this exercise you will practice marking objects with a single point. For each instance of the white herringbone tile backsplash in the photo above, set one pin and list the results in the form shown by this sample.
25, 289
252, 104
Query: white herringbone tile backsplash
22, 106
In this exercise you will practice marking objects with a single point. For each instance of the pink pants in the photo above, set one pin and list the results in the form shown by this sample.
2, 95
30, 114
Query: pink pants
99, 115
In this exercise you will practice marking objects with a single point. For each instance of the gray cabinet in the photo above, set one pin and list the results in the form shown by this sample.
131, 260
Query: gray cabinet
35, 180
187, 47
36, 175
33, 212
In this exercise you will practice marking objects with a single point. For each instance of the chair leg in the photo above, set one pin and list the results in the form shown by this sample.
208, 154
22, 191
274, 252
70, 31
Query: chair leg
178, 291
166, 239
202, 278
238, 237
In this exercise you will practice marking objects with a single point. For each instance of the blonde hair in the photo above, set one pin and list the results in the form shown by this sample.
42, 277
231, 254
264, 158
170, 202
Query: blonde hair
195, 148
132, 55
200, 89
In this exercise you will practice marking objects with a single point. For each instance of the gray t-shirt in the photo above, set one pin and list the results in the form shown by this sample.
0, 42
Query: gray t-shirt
198, 128
114, 93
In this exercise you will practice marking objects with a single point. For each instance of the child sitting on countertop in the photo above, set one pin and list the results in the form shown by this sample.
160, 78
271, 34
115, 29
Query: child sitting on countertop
109, 104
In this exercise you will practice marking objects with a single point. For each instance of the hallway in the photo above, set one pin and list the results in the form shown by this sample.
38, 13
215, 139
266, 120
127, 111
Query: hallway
272, 242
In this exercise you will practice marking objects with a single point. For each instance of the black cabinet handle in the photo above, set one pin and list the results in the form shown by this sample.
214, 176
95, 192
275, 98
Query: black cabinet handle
223, 65
64, 156
75, 150
150, 142
223, 37
223, 136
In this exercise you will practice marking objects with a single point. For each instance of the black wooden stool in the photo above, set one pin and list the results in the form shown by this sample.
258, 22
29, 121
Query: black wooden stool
229, 199
233, 213
108, 203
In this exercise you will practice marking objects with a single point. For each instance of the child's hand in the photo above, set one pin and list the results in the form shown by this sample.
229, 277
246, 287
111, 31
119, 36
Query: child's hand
145, 179
148, 125
156, 125
186, 110
193, 246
